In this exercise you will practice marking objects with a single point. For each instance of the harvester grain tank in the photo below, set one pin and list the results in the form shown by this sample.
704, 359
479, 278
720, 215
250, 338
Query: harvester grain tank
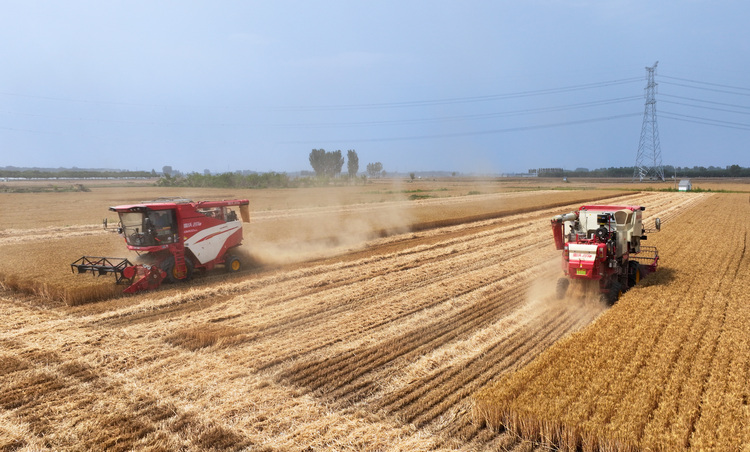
603, 243
177, 237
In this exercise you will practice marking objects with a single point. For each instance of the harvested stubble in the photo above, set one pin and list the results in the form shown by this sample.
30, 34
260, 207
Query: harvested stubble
665, 369
197, 337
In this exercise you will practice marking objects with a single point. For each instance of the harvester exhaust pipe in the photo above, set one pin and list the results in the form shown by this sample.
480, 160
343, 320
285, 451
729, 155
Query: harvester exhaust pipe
557, 227
566, 217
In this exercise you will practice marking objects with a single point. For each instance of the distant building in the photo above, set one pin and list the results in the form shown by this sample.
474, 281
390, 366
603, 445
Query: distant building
549, 172
685, 185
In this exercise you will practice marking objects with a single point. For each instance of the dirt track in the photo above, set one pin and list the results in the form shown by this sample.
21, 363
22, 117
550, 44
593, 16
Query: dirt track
378, 348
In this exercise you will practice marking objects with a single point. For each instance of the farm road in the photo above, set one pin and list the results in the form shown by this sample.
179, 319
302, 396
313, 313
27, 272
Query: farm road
378, 348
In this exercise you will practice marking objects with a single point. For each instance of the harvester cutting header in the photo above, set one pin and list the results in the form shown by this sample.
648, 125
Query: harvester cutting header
177, 236
603, 243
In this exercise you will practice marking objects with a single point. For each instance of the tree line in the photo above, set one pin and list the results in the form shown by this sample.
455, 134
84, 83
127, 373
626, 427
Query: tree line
75, 174
326, 165
669, 171
228, 180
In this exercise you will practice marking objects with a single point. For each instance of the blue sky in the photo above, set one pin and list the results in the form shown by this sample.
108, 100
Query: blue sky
467, 86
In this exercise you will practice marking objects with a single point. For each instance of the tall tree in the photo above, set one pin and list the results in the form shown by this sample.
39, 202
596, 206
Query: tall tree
326, 163
374, 169
335, 162
318, 161
352, 162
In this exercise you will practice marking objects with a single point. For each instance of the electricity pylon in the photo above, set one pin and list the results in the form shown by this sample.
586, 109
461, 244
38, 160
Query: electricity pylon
648, 160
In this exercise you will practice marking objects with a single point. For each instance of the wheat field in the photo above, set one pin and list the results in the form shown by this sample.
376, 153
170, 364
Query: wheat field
377, 341
665, 369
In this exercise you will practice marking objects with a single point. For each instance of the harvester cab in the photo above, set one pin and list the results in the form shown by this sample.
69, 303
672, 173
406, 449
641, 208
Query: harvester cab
603, 243
177, 237
144, 227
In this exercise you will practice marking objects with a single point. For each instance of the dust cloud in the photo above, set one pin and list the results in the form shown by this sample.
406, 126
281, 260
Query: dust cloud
298, 235
582, 298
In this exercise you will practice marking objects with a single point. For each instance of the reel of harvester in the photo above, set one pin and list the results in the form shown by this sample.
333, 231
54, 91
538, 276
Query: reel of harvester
136, 277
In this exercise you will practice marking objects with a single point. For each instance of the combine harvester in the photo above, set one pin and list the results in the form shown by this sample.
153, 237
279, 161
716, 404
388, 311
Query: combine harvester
603, 243
177, 237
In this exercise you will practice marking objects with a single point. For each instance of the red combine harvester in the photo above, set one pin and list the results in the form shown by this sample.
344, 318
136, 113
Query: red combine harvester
178, 236
603, 243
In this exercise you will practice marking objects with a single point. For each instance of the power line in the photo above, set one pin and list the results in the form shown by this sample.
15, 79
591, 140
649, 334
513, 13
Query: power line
404, 104
704, 101
463, 134
714, 87
89, 101
707, 108
449, 101
705, 83
16, 129
348, 124
713, 122
707, 89
475, 116
709, 86
120, 121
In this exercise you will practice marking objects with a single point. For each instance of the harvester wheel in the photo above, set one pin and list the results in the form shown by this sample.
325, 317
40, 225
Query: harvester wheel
614, 293
634, 273
233, 264
562, 288
171, 271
